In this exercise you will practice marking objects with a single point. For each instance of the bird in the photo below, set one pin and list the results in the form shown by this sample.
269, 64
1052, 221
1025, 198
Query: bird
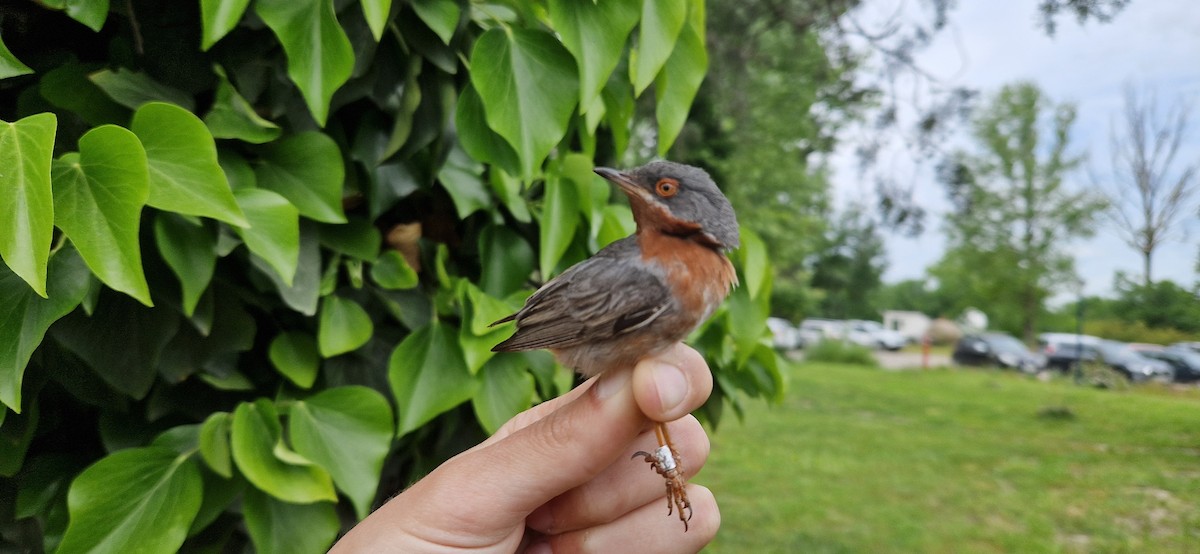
640, 294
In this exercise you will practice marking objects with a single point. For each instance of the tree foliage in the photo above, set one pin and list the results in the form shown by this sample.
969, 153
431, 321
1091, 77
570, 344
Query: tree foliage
252, 250
848, 267
1013, 212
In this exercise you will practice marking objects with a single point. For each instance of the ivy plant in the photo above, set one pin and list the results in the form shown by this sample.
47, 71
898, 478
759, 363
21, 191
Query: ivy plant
251, 250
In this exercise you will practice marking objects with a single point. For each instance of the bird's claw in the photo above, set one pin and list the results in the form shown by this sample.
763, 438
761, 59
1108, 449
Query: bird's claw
666, 462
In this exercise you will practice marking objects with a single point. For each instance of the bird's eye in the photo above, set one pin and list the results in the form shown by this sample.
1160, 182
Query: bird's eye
667, 187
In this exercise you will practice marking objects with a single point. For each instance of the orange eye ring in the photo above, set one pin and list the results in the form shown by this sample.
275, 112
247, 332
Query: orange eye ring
666, 187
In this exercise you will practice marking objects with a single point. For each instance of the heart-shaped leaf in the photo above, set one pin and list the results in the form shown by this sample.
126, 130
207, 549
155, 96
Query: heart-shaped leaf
506, 390
320, 57
428, 376
214, 444
264, 460
440, 15
184, 174
274, 232
307, 169
462, 177
218, 17
680, 78
98, 198
479, 140
25, 317
529, 87
294, 354
659, 29
10, 66
26, 199
277, 526
136, 500
507, 260
133, 89
357, 238
348, 430
91, 13
343, 326
232, 117
595, 34
190, 250
391, 271
304, 292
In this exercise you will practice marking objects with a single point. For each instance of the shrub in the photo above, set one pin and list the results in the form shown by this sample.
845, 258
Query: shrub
840, 352
1135, 331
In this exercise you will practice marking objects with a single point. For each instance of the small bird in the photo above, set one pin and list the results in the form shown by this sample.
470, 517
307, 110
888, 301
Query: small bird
641, 294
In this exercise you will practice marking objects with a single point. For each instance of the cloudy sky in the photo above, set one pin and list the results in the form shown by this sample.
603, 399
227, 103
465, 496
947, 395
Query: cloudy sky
1152, 43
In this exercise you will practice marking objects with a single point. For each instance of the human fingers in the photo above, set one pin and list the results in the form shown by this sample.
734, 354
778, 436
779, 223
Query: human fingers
646, 529
573, 444
666, 393
623, 486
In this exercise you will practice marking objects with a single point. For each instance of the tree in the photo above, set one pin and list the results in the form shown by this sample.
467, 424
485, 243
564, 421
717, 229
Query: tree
251, 253
848, 266
1012, 212
1148, 195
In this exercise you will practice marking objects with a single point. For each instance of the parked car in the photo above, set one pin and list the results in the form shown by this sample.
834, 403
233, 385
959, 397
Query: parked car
815, 329
1063, 350
1184, 361
873, 334
786, 336
1135, 367
1193, 346
996, 349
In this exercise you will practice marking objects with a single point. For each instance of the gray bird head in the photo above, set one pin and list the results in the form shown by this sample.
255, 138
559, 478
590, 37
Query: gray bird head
678, 199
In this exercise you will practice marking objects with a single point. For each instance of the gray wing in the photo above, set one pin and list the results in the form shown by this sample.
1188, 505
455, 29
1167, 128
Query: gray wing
594, 300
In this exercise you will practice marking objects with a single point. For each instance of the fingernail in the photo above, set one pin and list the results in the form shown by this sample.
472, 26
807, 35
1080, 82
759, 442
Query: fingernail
611, 382
540, 547
671, 385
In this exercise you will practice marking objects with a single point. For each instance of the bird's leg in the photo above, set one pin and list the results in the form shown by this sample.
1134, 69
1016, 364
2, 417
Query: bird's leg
665, 461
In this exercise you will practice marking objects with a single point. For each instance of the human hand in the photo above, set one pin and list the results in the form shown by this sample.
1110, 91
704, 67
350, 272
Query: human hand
558, 477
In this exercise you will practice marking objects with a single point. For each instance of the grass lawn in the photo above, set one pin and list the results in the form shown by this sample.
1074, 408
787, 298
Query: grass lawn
863, 460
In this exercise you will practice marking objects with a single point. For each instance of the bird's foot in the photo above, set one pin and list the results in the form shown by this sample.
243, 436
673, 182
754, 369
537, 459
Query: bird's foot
666, 462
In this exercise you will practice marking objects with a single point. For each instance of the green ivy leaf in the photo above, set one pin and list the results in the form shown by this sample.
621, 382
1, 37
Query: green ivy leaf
320, 57
506, 391
121, 341
184, 174
476, 336
306, 169
68, 87
277, 526
91, 13
440, 15
10, 66
304, 292
133, 89
357, 238
558, 223
462, 177
136, 500
507, 260
218, 17
348, 431
232, 117
754, 263
214, 444
428, 376
98, 198
619, 107
479, 140
508, 188
26, 199
391, 271
190, 250
25, 316
274, 232
680, 79
529, 87
595, 33
261, 456
343, 326
661, 23
376, 12
294, 354
618, 224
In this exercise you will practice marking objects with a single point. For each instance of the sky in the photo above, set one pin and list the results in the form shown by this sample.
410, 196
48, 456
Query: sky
1151, 43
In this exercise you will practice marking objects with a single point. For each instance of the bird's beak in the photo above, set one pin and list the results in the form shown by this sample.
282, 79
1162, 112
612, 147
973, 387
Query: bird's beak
628, 186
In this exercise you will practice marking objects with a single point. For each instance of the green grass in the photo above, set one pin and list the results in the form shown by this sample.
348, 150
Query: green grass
863, 460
